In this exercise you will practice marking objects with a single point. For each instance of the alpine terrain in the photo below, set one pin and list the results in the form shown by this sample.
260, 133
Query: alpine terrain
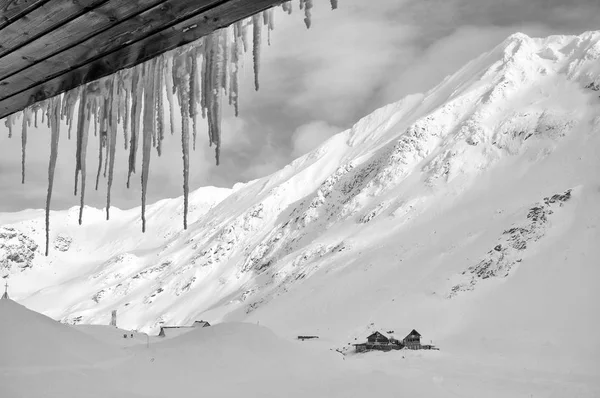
470, 213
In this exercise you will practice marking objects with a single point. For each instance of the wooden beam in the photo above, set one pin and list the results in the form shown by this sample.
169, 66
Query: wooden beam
42, 20
224, 13
11, 10
77, 30
129, 31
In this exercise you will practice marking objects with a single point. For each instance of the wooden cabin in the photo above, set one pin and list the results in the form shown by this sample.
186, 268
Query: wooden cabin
378, 341
413, 340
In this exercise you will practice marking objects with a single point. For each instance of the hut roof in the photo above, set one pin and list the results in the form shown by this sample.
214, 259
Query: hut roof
414, 333
377, 335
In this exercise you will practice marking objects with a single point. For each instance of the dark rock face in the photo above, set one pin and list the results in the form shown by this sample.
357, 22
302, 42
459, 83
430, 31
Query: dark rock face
509, 251
17, 250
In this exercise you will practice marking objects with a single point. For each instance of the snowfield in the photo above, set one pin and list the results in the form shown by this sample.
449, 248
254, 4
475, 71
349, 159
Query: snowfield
469, 213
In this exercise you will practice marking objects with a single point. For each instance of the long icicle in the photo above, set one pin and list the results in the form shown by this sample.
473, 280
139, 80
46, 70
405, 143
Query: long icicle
112, 141
204, 74
183, 97
26, 118
82, 135
256, 29
126, 76
193, 77
81, 117
216, 88
54, 137
137, 87
105, 125
208, 81
169, 86
160, 112
147, 139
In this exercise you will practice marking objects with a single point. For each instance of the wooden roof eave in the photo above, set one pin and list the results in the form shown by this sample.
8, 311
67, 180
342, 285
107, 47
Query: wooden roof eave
91, 39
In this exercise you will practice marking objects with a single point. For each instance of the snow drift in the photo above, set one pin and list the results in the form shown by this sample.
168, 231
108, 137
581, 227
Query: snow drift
29, 339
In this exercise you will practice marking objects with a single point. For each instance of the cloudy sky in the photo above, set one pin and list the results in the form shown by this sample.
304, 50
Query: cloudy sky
314, 83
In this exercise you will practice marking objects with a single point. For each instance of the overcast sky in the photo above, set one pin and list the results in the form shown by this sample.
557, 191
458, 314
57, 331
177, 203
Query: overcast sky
314, 83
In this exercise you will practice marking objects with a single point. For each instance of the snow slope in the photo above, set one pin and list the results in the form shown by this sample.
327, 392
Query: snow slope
470, 213
29, 339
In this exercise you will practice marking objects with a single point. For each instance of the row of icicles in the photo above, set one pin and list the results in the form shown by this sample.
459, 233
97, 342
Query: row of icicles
198, 75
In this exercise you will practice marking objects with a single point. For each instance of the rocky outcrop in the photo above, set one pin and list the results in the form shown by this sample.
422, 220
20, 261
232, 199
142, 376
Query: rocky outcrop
17, 250
512, 245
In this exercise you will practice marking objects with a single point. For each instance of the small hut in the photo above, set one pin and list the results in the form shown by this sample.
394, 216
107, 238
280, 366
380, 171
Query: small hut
200, 324
177, 330
413, 340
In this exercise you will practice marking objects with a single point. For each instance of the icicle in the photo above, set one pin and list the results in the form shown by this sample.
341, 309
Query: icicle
149, 101
334, 4
270, 23
54, 137
81, 116
26, 117
244, 30
82, 139
237, 55
204, 72
256, 48
104, 118
112, 140
9, 122
101, 143
125, 82
42, 105
170, 86
287, 7
147, 139
307, 12
180, 67
207, 92
226, 60
68, 108
136, 111
158, 97
216, 99
193, 84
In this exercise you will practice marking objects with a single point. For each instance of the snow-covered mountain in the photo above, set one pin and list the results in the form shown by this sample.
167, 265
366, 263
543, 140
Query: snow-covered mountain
473, 208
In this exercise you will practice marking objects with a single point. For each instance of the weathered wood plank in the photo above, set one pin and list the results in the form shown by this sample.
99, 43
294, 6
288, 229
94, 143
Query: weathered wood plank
11, 10
72, 33
129, 31
223, 14
42, 20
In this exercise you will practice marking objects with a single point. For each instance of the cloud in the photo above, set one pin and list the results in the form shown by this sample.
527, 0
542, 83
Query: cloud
308, 136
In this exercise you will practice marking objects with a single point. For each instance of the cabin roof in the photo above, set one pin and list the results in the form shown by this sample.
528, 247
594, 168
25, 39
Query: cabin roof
49, 47
414, 333
377, 334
